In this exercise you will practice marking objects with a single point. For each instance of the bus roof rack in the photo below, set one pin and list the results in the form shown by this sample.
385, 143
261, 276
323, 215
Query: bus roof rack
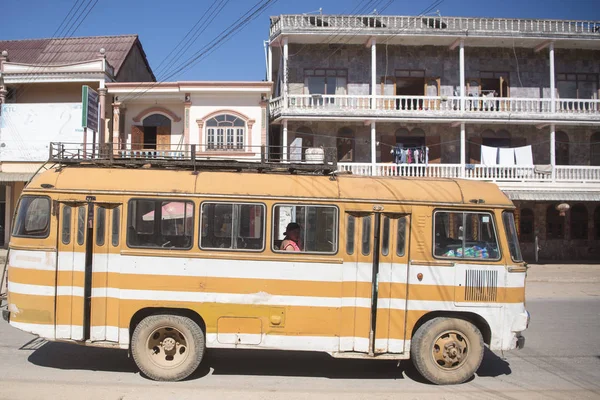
187, 157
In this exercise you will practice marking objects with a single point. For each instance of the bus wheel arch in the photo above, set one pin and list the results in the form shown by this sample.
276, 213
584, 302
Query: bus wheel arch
471, 317
148, 311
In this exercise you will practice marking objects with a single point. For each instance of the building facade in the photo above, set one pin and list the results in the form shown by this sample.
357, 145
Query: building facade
511, 101
41, 100
219, 119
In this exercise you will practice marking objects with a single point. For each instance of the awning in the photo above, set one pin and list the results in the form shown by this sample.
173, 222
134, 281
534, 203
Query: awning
15, 176
542, 195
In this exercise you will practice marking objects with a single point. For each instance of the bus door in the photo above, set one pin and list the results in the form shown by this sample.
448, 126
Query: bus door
87, 232
71, 270
104, 307
377, 242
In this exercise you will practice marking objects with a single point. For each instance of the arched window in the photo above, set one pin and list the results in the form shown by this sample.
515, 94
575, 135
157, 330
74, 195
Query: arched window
225, 132
562, 148
579, 222
595, 149
345, 145
555, 224
526, 225
597, 223
156, 120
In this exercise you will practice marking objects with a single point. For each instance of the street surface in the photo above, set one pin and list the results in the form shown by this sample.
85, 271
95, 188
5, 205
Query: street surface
561, 360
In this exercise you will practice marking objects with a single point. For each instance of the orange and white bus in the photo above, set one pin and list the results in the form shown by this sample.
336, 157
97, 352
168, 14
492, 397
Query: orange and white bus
169, 263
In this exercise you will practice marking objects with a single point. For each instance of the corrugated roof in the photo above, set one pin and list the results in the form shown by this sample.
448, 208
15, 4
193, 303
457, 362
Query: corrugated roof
71, 50
541, 195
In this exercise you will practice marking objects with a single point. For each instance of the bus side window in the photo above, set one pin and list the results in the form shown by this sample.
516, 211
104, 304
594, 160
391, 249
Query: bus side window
66, 225
81, 216
116, 226
232, 226
366, 236
350, 227
318, 227
100, 226
465, 234
401, 237
385, 237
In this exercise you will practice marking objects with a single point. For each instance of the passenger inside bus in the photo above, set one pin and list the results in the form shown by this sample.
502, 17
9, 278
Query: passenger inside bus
292, 237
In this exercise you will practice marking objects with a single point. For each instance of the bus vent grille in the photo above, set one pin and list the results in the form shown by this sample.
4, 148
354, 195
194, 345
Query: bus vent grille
481, 285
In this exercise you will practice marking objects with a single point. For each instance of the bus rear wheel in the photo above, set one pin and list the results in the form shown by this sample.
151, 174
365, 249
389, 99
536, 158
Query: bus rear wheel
167, 347
447, 351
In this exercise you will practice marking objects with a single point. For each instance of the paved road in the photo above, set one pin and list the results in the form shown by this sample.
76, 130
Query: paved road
561, 360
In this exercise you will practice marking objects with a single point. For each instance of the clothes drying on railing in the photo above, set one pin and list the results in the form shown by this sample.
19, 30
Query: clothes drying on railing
506, 156
415, 155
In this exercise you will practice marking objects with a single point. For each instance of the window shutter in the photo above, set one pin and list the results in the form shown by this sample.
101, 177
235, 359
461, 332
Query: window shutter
137, 137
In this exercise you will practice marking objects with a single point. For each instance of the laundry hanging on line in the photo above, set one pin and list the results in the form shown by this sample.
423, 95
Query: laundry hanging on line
413, 155
506, 156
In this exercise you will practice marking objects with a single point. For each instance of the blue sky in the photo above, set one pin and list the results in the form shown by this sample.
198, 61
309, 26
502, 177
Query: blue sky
162, 24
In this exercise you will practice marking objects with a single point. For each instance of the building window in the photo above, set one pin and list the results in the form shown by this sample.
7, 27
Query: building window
597, 223
577, 86
579, 222
345, 145
555, 224
225, 132
326, 81
562, 148
526, 225
595, 149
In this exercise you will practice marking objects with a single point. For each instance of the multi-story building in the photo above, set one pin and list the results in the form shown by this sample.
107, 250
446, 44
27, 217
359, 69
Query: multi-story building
512, 101
41, 100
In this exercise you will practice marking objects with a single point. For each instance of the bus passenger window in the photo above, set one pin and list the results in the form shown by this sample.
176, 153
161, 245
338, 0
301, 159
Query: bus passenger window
366, 236
116, 226
81, 215
318, 227
66, 225
100, 226
237, 226
167, 224
470, 235
33, 217
385, 237
401, 237
350, 226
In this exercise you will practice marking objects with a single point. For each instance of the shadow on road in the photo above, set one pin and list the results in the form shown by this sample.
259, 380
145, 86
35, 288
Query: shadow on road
250, 362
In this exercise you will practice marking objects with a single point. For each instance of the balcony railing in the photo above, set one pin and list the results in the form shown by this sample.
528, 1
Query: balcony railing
495, 173
368, 24
475, 107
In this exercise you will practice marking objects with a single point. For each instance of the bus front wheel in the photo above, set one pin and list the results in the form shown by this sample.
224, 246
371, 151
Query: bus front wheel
447, 351
167, 347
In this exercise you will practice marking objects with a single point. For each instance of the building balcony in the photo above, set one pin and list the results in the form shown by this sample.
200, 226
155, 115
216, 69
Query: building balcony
373, 25
435, 108
530, 178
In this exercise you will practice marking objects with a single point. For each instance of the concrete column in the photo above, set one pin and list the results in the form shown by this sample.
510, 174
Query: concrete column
463, 149
270, 63
116, 133
552, 80
102, 110
284, 142
186, 118
373, 149
373, 74
553, 150
8, 212
285, 73
462, 74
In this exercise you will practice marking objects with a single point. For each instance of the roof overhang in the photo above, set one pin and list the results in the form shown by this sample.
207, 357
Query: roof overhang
555, 195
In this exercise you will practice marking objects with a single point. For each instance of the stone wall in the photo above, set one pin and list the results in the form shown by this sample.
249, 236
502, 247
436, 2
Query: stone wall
528, 71
447, 138
566, 249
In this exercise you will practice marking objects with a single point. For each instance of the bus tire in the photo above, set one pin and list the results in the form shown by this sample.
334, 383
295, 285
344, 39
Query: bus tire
167, 347
447, 351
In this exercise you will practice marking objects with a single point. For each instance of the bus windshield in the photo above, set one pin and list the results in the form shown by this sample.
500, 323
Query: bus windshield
511, 236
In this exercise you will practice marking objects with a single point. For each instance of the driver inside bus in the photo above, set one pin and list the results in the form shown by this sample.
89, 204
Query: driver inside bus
292, 238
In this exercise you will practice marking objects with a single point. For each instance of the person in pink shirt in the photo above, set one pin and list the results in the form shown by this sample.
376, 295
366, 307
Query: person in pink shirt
292, 238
